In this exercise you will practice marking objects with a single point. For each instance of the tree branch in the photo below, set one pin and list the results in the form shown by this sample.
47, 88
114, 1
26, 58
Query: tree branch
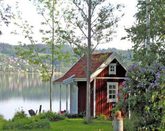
81, 30
82, 11
94, 20
46, 20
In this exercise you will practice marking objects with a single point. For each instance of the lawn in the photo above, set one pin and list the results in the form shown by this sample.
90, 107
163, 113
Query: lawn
2, 121
76, 125
79, 125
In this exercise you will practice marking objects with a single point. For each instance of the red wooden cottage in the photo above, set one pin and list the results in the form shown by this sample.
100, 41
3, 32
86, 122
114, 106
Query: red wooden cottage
107, 77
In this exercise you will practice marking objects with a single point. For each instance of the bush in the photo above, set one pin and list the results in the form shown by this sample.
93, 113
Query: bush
1, 118
26, 123
51, 116
132, 124
19, 115
147, 94
81, 115
101, 117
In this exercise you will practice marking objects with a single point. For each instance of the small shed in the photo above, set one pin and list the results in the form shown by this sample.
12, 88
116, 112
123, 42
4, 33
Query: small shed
107, 77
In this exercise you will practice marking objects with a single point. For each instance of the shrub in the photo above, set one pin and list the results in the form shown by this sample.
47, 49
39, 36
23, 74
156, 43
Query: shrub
19, 115
81, 115
26, 123
132, 124
50, 116
101, 117
147, 94
1, 118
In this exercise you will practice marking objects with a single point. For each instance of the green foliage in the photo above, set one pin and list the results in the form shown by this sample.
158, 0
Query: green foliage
133, 123
1, 117
147, 94
138, 32
2, 121
101, 117
102, 23
51, 116
5, 14
19, 115
81, 115
26, 123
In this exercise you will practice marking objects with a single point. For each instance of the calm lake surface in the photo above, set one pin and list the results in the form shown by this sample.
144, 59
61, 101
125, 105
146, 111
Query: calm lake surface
26, 91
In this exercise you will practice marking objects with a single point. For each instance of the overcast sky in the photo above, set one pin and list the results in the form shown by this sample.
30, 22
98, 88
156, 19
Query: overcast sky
29, 12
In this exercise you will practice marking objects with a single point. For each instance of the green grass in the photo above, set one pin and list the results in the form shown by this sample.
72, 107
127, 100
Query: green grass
75, 125
2, 121
79, 125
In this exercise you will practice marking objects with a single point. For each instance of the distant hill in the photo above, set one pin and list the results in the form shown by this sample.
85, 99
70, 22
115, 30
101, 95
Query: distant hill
7, 49
125, 55
10, 50
9, 60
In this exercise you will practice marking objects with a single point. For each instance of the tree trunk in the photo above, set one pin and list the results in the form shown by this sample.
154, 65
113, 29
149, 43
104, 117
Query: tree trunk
88, 112
52, 69
50, 95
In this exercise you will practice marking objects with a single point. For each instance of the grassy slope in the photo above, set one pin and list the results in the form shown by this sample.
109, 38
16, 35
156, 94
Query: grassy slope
2, 121
79, 125
76, 125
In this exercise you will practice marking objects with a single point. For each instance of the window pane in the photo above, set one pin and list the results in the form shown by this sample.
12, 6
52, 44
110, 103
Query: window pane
111, 68
113, 96
112, 92
110, 87
110, 96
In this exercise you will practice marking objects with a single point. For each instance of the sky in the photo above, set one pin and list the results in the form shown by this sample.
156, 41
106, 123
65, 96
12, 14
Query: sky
29, 12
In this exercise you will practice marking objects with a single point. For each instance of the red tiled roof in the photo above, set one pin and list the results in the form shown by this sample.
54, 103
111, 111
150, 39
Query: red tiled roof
78, 70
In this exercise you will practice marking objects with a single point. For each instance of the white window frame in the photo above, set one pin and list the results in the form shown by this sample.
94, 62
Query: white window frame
116, 92
114, 67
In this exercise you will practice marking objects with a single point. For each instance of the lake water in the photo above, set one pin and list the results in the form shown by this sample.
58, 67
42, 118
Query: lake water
26, 91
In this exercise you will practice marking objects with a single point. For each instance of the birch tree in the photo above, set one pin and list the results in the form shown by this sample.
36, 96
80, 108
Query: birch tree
149, 26
89, 23
47, 9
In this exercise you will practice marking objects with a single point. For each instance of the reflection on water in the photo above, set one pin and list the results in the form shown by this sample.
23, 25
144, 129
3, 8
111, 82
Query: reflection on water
26, 91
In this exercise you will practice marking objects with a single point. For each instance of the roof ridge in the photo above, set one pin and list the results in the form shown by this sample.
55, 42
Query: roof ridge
95, 53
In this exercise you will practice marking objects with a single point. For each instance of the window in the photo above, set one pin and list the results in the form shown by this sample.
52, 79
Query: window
112, 68
112, 91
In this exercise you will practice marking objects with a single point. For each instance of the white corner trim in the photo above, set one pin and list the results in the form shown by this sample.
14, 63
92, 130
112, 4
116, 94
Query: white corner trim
102, 66
80, 79
119, 60
68, 80
105, 64
94, 99
112, 78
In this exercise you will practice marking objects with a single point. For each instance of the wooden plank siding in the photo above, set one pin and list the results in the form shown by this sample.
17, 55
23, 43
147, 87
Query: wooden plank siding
120, 71
102, 106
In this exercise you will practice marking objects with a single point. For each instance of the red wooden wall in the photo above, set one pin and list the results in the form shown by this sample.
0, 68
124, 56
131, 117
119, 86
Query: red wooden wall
102, 107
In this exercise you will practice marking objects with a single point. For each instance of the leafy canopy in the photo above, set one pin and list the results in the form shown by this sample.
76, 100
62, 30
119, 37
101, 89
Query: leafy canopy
138, 32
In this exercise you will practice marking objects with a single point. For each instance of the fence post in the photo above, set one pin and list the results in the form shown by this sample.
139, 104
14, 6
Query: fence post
118, 122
